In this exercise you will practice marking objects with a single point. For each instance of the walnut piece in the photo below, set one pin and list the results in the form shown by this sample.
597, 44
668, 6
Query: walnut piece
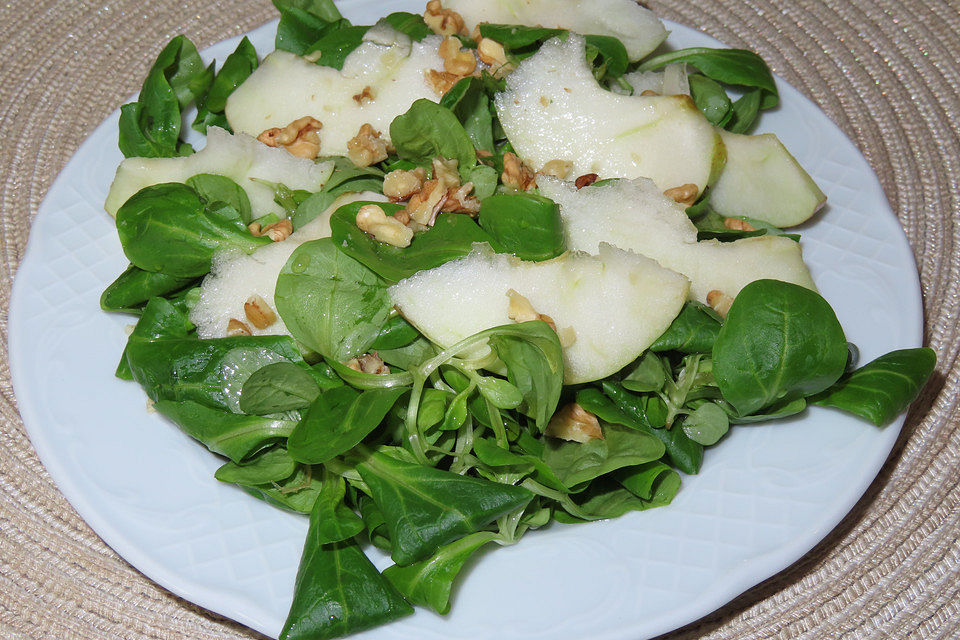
719, 301
258, 312
492, 54
516, 174
685, 194
278, 231
369, 363
364, 96
520, 310
399, 185
557, 168
574, 423
443, 21
367, 147
586, 180
299, 138
736, 224
456, 60
373, 220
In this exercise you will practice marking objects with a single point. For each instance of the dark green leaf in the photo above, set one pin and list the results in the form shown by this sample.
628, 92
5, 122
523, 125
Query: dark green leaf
694, 330
779, 340
426, 508
470, 104
744, 111
134, 287
236, 68
336, 44
271, 465
706, 424
710, 98
533, 356
213, 188
331, 520
160, 319
338, 420
880, 390
297, 493
411, 24
396, 333
526, 225
428, 583
303, 22
330, 302
647, 374
278, 387
576, 463
427, 131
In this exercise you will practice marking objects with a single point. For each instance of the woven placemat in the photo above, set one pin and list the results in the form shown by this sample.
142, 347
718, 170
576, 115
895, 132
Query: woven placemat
885, 70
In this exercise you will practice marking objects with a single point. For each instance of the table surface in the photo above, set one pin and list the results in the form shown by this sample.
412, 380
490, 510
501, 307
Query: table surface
885, 71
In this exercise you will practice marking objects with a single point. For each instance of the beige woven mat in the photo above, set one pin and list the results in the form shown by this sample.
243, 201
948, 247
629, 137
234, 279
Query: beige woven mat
886, 71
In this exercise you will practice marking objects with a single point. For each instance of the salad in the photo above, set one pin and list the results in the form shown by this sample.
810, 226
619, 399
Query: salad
448, 278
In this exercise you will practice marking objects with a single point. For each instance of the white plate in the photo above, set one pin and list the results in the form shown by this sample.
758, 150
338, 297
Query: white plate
765, 496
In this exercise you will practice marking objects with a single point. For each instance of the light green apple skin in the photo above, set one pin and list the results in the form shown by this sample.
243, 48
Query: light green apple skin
554, 109
612, 305
238, 157
762, 180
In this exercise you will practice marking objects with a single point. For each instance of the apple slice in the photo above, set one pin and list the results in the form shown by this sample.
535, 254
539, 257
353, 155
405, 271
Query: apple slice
612, 305
763, 180
286, 87
235, 277
553, 109
635, 215
639, 29
238, 157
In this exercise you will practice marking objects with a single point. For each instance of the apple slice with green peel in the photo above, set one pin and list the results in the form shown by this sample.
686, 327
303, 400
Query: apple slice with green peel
763, 180
286, 87
553, 109
608, 308
238, 157
635, 215
235, 277
638, 28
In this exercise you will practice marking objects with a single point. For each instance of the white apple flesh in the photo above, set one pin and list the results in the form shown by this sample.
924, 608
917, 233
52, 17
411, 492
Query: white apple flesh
286, 87
763, 180
238, 157
554, 109
613, 305
635, 215
638, 28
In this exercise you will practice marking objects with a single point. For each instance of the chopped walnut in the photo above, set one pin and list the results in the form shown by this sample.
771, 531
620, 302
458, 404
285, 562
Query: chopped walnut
492, 54
516, 174
574, 423
424, 206
258, 312
369, 363
237, 329
373, 220
367, 147
446, 171
736, 224
648, 93
443, 21
364, 96
557, 168
586, 180
399, 185
520, 310
278, 231
685, 194
459, 200
441, 81
719, 301
300, 137
456, 60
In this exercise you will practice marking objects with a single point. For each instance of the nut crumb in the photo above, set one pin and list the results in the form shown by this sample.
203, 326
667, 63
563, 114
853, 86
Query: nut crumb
258, 312
516, 174
719, 301
685, 194
373, 220
586, 180
574, 423
736, 224
557, 168
364, 96
236, 329
299, 138
367, 147
370, 363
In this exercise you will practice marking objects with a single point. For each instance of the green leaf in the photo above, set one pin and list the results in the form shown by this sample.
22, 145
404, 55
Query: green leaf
236, 68
527, 225
233, 435
779, 341
330, 302
411, 24
331, 519
427, 131
426, 508
882, 389
710, 98
470, 103
134, 287
576, 463
336, 44
706, 424
213, 188
428, 583
303, 22
533, 356
278, 387
744, 111
268, 466
433, 407
606, 498
338, 420
160, 319
451, 237
166, 228
654, 482
729, 66
647, 374
694, 330
337, 592
396, 333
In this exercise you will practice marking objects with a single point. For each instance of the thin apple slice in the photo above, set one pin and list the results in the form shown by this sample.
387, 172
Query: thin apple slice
235, 277
612, 306
638, 28
238, 157
763, 180
635, 215
286, 87
553, 109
